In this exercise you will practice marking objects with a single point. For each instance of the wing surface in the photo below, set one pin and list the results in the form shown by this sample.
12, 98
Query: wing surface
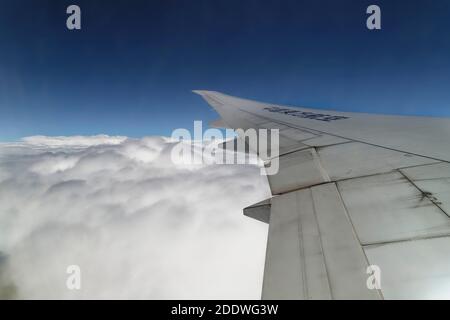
353, 190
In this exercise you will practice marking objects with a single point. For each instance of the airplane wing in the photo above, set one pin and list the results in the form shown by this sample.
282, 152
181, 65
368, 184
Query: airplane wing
353, 190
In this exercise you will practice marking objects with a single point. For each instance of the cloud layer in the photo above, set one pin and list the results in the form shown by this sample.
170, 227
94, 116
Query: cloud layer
138, 225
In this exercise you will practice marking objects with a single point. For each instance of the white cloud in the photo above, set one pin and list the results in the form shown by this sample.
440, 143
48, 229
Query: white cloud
137, 225
73, 141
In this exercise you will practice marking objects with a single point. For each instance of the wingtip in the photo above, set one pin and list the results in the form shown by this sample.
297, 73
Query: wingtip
199, 92
205, 92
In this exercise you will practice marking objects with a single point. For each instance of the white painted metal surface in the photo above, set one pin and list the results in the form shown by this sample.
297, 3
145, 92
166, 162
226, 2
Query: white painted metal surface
283, 270
312, 252
324, 140
356, 159
393, 178
425, 136
387, 207
296, 170
433, 180
272, 125
315, 269
259, 211
345, 259
413, 269
296, 134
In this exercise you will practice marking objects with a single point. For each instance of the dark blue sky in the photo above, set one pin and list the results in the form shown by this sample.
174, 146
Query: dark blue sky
131, 68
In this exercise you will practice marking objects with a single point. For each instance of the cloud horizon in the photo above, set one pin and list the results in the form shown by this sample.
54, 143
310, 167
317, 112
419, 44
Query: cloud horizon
139, 226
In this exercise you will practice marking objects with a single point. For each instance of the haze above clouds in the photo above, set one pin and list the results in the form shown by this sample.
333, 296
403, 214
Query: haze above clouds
138, 225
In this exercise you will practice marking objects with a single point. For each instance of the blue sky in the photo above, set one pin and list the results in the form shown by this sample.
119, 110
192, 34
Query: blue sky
131, 68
